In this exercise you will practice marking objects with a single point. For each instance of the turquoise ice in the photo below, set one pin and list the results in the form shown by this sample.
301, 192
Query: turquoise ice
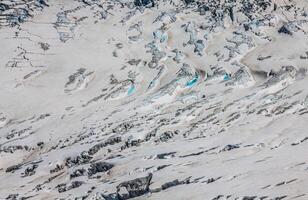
192, 82
131, 90
226, 77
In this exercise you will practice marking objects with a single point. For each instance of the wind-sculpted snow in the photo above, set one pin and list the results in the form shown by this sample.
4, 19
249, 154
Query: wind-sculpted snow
148, 99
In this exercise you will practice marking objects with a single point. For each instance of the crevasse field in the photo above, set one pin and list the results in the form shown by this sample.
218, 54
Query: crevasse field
153, 99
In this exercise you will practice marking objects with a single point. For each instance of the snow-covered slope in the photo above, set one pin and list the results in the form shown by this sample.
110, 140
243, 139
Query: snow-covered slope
122, 99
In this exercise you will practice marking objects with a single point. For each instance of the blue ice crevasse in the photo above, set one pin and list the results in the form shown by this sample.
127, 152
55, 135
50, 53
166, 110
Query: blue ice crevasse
192, 82
226, 77
131, 90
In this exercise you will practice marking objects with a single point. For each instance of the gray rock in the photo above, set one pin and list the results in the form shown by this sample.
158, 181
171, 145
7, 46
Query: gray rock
29, 171
77, 173
13, 168
80, 159
134, 188
175, 183
110, 141
284, 29
63, 187
99, 167
145, 3
230, 147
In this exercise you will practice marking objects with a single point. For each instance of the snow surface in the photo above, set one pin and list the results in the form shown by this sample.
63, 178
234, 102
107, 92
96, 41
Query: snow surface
103, 99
